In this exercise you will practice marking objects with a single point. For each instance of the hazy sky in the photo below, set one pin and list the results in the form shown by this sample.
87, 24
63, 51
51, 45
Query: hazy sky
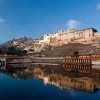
33, 18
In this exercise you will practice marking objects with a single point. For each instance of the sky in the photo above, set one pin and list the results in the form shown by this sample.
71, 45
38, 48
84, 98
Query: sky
34, 18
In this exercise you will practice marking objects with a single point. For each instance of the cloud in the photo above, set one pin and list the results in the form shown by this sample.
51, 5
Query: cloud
98, 6
2, 37
2, 25
2, 20
23, 33
72, 24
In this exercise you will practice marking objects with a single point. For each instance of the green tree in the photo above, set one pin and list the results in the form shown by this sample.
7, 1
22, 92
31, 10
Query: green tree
75, 53
1, 51
24, 52
11, 50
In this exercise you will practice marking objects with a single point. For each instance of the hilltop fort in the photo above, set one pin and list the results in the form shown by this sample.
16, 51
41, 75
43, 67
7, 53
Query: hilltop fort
60, 43
64, 37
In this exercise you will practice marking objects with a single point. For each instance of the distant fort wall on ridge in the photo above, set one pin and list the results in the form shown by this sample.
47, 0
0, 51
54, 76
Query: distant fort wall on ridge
64, 37
84, 36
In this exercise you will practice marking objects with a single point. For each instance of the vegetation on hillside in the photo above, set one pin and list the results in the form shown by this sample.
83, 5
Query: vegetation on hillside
70, 49
12, 50
19, 47
75, 53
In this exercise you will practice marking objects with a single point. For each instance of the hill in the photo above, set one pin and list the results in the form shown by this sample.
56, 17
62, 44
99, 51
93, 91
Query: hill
22, 42
83, 46
68, 49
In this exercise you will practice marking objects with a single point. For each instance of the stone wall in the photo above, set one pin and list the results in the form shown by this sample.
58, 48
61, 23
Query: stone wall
65, 37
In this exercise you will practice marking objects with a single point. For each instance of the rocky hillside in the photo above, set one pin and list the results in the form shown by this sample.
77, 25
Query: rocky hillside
68, 49
20, 42
63, 50
83, 46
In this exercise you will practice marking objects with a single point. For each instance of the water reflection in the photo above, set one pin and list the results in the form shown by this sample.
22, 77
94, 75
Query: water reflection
74, 77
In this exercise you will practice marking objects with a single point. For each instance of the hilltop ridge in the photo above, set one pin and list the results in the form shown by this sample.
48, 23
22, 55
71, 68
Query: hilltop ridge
60, 43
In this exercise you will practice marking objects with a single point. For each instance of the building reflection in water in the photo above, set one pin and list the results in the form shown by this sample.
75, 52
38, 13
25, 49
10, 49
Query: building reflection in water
74, 77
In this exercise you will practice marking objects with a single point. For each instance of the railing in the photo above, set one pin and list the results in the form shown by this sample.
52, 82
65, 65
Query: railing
77, 60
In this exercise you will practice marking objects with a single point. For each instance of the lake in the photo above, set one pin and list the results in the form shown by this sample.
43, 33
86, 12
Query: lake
47, 82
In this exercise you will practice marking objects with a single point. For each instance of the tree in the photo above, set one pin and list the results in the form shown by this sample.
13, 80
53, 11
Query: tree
1, 51
11, 50
24, 52
75, 53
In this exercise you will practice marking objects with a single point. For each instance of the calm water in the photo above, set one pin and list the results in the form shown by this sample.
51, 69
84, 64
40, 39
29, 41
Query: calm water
46, 82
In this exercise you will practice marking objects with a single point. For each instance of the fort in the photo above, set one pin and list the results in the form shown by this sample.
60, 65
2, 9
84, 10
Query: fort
65, 37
